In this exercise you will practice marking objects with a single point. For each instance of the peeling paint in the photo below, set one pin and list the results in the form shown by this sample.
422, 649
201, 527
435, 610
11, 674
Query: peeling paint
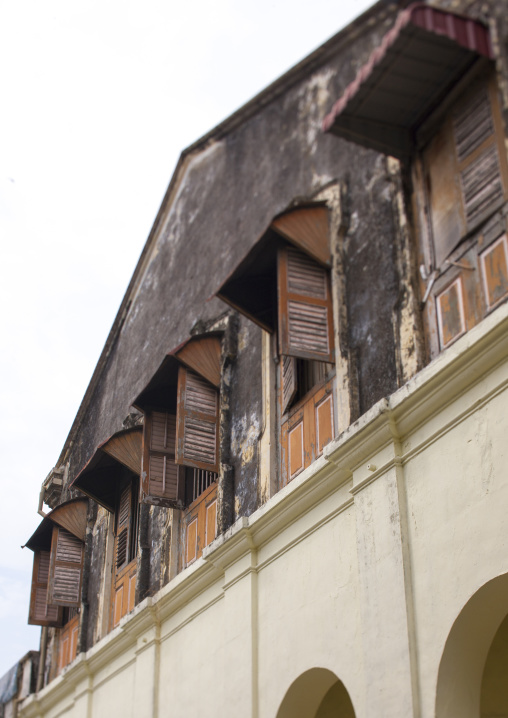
245, 434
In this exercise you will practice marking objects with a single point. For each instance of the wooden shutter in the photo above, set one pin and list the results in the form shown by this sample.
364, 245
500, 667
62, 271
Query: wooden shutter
288, 380
197, 433
66, 569
464, 169
40, 612
305, 307
161, 483
478, 158
123, 528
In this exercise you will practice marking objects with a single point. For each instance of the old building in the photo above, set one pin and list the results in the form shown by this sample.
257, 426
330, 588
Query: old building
18, 683
284, 493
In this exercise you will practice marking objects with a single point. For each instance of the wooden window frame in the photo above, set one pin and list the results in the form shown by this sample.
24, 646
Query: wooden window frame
305, 415
198, 512
489, 250
68, 635
462, 314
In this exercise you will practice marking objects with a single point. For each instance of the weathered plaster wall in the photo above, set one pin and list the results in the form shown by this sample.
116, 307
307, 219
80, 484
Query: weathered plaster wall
371, 280
225, 198
100, 577
246, 418
159, 537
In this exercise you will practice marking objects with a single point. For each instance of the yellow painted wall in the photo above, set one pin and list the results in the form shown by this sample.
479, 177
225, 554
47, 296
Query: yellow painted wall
383, 565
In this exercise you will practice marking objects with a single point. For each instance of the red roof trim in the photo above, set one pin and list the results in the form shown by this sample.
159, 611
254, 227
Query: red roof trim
470, 34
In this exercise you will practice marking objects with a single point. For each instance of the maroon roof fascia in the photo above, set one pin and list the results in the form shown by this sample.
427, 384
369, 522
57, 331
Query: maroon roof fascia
466, 32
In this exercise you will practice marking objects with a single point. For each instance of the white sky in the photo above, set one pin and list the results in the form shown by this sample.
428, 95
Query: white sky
98, 99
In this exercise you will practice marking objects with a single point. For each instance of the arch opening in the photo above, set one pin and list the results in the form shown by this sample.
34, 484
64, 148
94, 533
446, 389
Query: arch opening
317, 693
474, 664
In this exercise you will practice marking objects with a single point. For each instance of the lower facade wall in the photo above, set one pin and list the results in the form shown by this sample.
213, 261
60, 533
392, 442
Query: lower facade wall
362, 567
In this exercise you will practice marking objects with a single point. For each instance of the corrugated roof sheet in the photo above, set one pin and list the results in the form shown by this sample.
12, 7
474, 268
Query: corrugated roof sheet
406, 77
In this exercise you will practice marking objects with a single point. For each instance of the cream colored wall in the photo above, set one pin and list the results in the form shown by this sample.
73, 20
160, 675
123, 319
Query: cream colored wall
361, 566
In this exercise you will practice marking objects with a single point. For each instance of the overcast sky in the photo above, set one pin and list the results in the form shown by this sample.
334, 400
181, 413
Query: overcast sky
98, 99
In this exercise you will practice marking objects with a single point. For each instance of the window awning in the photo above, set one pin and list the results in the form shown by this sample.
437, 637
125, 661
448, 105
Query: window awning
70, 515
406, 78
252, 287
201, 353
115, 460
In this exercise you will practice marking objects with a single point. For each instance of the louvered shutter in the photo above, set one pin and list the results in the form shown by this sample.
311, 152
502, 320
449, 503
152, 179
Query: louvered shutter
477, 157
123, 527
40, 613
305, 307
161, 483
289, 382
66, 569
197, 433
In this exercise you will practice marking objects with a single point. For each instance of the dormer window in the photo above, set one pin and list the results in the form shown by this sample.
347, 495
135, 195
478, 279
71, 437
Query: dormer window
428, 97
290, 262
181, 405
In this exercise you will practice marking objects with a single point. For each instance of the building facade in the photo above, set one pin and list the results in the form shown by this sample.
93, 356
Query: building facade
284, 493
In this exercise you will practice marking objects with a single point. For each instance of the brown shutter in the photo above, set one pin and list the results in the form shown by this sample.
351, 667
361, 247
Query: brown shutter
123, 527
288, 379
40, 613
305, 307
66, 569
478, 158
197, 422
161, 483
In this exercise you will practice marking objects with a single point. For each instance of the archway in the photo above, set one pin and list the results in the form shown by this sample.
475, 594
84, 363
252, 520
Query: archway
494, 695
317, 693
474, 664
